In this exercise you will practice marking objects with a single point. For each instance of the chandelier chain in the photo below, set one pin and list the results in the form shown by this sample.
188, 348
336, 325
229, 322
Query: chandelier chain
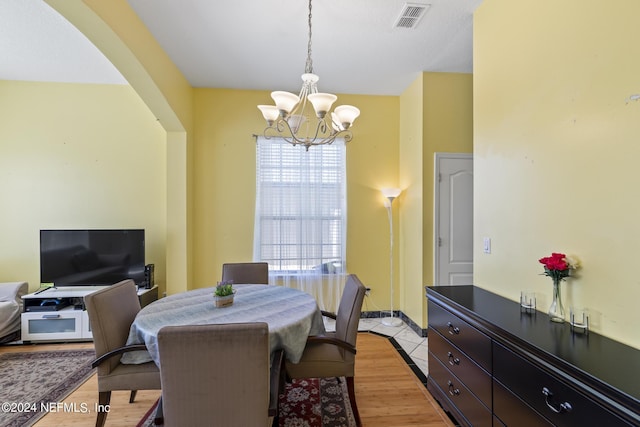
309, 64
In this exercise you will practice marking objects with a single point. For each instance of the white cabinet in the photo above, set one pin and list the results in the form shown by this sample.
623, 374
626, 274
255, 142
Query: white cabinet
65, 324
58, 314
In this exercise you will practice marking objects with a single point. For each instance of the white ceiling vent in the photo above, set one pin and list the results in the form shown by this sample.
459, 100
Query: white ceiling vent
411, 15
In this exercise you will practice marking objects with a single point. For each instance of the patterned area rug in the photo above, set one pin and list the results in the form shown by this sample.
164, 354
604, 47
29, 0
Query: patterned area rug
31, 382
316, 402
309, 402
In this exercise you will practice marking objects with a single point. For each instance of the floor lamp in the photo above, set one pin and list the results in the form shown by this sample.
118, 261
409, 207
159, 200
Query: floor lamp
390, 194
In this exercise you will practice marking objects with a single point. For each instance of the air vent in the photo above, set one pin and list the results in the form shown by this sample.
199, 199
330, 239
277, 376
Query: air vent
411, 15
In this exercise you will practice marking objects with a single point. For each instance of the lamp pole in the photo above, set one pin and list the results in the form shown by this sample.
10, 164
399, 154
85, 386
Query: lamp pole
391, 194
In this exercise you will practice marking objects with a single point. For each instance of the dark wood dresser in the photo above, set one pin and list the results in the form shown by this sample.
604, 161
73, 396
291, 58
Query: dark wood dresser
493, 364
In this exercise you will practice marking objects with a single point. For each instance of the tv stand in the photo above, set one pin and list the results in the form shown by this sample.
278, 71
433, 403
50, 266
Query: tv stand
59, 314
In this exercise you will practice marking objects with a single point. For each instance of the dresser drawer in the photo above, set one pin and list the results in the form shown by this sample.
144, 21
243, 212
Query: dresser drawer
473, 376
514, 412
554, 399
467, 338
459, 395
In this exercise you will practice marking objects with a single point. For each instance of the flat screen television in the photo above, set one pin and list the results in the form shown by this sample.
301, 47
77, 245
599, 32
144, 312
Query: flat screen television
91, 257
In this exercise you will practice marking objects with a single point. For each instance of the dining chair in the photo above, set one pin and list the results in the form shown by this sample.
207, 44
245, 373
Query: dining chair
333, 354
219, 374
111, 311
246, 272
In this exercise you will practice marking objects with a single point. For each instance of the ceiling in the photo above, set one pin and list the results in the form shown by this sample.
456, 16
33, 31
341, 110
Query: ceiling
253, 44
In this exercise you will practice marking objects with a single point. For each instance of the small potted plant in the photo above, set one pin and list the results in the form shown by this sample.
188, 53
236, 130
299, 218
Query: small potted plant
223, 294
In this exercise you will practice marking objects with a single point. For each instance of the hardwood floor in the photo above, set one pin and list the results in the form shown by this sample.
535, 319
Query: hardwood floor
387, 392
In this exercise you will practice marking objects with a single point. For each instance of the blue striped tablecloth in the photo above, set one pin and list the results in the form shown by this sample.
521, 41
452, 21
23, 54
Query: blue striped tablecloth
292, 316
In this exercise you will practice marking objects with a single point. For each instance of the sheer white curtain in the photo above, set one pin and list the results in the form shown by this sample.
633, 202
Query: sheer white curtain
301, 215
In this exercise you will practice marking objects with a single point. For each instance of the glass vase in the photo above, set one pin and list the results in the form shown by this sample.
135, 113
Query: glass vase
556, 311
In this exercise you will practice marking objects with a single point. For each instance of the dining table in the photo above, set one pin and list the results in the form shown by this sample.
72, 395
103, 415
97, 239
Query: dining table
292, 315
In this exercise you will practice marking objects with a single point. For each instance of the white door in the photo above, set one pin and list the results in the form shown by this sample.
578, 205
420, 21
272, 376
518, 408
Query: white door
453, 222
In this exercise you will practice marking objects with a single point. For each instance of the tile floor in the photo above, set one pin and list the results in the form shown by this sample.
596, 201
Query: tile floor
412, 347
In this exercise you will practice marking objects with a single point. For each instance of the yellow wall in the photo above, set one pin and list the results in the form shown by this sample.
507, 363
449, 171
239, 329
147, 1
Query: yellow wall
77, 156
117, 31
224, 176
372, 164
436, 111
410, 203
556, 152
448, 128
225, 179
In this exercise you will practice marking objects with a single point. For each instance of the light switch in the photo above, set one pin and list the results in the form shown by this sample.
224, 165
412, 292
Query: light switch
486, 242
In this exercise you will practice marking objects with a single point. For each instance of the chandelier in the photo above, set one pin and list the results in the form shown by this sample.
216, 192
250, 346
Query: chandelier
294, 120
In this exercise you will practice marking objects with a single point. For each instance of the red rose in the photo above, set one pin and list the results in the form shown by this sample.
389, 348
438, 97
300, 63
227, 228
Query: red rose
555, 262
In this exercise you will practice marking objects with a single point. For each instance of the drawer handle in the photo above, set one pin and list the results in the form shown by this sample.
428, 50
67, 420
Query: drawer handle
50, 316
453, 360
548, 396
453, 391
453, 329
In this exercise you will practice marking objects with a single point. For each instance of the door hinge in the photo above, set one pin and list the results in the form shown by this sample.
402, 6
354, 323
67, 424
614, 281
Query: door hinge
439, 241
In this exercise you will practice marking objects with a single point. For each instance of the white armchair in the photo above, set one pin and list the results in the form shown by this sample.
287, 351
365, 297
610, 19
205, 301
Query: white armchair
10, 310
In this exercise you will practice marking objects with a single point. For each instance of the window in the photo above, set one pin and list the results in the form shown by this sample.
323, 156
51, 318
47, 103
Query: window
300, 222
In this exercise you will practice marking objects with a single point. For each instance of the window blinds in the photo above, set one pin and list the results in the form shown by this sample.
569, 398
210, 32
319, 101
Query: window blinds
300, 220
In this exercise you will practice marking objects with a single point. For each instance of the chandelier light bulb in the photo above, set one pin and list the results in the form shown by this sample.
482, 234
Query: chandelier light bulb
322, 103
285, 101
295, 120
269, 112
346, 115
